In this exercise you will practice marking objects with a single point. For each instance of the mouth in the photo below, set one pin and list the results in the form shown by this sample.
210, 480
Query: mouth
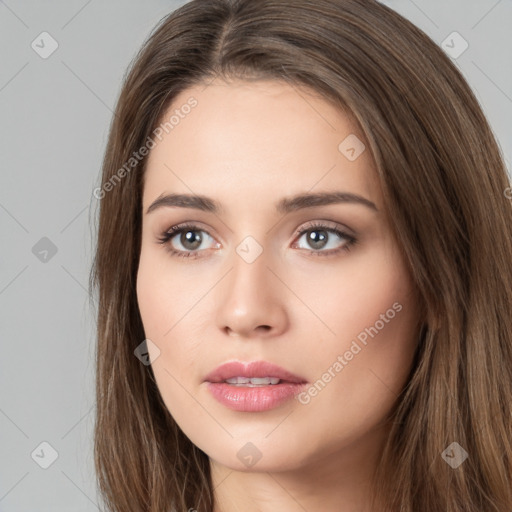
254, 387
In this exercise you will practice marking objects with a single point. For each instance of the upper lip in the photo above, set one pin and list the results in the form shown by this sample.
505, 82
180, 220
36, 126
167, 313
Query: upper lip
251, 369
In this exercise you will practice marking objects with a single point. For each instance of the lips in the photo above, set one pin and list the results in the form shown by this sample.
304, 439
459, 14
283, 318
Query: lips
252, 370
253, 387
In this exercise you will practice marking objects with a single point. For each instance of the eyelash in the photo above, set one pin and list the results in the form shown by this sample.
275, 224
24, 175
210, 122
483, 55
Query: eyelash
180, 228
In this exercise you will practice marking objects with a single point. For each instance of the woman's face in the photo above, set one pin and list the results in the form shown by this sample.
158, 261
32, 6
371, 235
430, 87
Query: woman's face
316, 286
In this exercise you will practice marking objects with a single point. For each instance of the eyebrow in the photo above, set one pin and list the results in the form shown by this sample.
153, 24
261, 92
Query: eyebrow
284, 206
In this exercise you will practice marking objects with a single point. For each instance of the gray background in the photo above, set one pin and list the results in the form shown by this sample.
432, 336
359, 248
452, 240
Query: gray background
55, 113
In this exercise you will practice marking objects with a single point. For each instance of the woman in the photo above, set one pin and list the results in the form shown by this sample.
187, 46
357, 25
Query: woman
303, 266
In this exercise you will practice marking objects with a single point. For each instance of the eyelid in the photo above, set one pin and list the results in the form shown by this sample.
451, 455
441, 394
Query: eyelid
324, 224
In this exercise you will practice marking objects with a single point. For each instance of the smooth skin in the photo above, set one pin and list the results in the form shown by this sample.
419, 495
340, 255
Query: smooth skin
300, 304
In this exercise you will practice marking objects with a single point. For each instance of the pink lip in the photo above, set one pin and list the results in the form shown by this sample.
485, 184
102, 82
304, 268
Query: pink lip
253, 399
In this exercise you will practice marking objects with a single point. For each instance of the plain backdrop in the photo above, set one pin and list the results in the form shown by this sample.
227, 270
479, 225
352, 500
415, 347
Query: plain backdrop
55, 111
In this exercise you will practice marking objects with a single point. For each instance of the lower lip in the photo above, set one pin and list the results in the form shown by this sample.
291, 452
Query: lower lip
254, 399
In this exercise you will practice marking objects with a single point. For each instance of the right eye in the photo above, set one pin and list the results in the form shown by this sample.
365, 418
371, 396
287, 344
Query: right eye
190, 239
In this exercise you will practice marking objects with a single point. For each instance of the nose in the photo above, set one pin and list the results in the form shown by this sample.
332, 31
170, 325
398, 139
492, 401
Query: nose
251, 300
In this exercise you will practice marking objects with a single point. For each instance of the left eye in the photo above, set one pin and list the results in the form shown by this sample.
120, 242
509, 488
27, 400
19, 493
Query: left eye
318, 238
191, 240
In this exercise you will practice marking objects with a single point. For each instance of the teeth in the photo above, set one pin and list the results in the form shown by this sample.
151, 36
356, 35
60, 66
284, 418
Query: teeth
254, 381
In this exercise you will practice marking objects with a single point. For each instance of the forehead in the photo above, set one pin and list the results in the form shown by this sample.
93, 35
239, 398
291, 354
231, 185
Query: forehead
249, 142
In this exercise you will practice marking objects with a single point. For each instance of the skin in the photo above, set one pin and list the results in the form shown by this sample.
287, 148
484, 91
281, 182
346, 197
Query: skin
247, 145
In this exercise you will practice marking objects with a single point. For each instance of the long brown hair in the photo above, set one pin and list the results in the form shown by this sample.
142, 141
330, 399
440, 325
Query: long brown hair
443, 179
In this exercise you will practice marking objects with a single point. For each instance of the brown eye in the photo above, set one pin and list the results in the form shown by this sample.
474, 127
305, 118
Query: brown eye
187, 243
190, 239
318, 237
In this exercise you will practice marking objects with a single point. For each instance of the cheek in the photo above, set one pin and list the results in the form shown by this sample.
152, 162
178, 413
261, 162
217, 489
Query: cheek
166, 302
363, 367
161, 294
351, 296
388, 320
369, 316
152, 299
160, 310
158, 306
